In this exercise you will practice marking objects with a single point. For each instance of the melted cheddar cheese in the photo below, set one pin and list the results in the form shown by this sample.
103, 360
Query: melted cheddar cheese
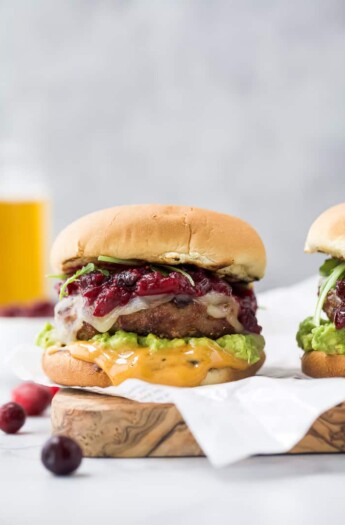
186, 365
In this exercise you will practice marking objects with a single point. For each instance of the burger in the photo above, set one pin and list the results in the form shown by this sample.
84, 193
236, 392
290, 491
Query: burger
158, 293
322, 337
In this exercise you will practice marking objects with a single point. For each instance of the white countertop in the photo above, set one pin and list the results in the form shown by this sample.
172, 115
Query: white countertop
269, 490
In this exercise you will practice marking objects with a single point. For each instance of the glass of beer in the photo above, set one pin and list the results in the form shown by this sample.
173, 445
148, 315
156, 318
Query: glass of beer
24, 234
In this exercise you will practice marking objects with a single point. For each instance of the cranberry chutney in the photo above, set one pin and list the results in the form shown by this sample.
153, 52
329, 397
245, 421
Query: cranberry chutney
104, 291
334, 305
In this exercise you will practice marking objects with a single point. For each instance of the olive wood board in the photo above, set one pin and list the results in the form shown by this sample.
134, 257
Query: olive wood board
107, 426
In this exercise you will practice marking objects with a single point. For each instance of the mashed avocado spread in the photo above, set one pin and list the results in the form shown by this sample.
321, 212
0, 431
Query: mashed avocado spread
242, 346
324, 338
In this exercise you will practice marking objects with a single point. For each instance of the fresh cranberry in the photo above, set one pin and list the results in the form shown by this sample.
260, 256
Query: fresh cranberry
52, 390
35, 309
12, 417
40, 309
32, 397
61, 455
10, 311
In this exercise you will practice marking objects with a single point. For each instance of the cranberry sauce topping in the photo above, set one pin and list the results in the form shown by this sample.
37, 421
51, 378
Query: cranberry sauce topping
105, 292
339, 311
248, 306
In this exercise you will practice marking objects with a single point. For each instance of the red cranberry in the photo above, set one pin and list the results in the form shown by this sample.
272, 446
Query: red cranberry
10, 311
12, 417
61, 455
33, 398
53, 390
35, 309
40, 309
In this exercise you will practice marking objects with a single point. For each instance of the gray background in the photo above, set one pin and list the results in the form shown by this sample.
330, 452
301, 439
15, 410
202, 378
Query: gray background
232, 105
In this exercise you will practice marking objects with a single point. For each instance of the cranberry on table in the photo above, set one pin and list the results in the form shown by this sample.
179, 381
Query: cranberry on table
53, 390
12, 417
61, 455
33, 398
35, 309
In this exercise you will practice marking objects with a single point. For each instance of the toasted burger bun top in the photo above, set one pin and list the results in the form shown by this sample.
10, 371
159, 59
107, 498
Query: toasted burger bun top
327, 233
166, 235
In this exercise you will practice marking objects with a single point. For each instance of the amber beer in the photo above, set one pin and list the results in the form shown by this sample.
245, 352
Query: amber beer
23, 243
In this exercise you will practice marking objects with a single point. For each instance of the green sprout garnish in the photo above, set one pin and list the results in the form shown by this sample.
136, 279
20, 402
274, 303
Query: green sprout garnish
158, 267
60, 276
328, 266
329, 283
83, 271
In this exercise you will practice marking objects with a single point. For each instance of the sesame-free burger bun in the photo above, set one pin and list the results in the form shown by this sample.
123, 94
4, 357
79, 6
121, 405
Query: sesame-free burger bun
65, 370
320, 364
327, 233
166, 235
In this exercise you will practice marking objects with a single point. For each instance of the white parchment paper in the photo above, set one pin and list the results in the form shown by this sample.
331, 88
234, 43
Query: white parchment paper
268, 413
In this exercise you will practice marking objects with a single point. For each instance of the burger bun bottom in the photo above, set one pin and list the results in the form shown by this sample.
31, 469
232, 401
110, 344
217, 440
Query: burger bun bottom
320, 364
65, 370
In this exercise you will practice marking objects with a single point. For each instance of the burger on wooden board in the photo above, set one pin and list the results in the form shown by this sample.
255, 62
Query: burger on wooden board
158, 293
323, 337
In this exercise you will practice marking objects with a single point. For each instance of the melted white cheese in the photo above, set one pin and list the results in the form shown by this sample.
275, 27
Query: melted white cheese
71, 312
220, 306
68, 317
103, 324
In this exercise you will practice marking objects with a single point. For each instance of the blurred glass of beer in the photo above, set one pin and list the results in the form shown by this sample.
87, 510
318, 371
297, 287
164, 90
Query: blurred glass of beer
24, 233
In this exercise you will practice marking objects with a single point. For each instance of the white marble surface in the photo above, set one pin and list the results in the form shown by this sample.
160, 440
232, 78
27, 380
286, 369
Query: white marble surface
268, 490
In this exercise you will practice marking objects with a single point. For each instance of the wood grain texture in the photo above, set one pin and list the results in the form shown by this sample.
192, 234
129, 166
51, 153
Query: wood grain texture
107, 426
327, 434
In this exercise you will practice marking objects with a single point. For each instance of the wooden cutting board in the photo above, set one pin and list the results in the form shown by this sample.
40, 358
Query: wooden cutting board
106, 426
